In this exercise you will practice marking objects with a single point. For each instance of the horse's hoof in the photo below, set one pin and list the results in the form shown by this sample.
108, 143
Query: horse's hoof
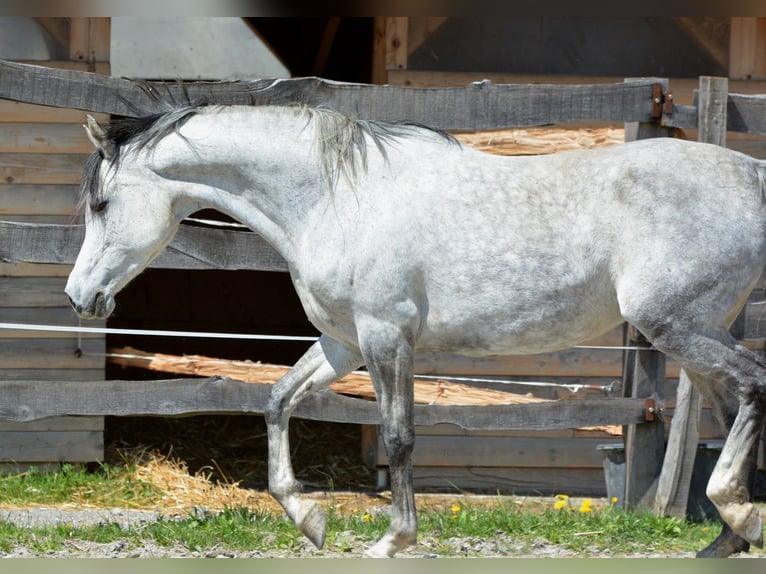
389, 545
380, 550
726, 544
312, 522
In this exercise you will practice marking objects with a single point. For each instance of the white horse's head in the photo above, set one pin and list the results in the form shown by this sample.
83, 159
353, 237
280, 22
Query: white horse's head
129, 219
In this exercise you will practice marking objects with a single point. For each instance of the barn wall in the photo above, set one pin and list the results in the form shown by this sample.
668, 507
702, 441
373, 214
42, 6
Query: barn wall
41, 156
42, 151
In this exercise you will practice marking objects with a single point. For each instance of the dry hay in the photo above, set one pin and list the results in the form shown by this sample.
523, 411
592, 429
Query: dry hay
536, 141
232, 449
182, 492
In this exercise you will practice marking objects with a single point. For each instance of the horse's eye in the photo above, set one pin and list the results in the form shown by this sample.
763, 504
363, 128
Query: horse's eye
98, 206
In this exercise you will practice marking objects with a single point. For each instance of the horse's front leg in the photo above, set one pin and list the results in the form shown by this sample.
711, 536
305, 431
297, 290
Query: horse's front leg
388, 353
324, 362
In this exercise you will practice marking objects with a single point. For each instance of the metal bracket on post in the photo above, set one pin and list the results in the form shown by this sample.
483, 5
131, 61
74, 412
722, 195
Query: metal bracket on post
662, 101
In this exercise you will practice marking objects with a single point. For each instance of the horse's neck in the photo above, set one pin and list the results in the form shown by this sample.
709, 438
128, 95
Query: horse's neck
259, 172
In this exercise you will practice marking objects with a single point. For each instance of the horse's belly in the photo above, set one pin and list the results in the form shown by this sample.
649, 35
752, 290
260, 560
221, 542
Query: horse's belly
550, 324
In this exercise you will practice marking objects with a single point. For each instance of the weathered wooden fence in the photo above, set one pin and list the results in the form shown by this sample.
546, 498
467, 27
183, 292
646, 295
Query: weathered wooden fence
645, 104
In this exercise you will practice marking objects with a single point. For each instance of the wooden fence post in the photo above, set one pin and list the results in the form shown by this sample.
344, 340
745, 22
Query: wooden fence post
673, 487
643, 376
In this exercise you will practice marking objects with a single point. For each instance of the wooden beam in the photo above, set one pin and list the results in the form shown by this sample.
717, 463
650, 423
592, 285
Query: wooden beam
89, 40
673, 486
712, 110
396, 42
33, 400
747, 48
477, 106
644, 444
379, 74
192, 247
427, 392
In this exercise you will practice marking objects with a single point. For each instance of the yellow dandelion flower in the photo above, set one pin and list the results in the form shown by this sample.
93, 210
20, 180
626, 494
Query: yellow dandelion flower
562, 497
559, 504
615, 500
586, 506
456, 508
367, 517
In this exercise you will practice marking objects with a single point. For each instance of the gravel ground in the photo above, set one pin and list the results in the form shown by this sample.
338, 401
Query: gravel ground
501, 545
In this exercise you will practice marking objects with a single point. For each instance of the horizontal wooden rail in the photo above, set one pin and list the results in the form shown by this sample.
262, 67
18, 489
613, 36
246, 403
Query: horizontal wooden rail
480, 105
32, 400
193, 247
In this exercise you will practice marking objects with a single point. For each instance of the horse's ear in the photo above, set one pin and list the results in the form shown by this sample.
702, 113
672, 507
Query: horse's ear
98, 137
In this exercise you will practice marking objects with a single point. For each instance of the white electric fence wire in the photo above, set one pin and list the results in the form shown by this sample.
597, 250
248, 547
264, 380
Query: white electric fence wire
80, 330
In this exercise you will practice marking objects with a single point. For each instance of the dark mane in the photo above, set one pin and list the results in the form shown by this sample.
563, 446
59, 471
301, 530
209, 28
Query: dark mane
143, 131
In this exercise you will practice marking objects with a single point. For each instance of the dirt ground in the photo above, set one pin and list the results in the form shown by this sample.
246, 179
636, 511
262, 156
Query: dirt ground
202, 462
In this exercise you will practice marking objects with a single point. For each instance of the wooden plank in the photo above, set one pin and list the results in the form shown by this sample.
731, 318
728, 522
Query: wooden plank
38, 199
396, 42
354, 384
446, 429
644, 444
378, 73
42, 219
518, 481
42, 374
34, 270
192, 248
746, 113
32, 292
32, 168
79, 446
681, 450
52, 354
31, 400
747, 46
13, 112
82, 67
711, 110
63, 316
56, 424
477, 106
43, 138
568, 363
515, 452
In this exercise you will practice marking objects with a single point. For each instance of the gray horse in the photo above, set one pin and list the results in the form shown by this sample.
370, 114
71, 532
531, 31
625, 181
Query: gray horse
399, 240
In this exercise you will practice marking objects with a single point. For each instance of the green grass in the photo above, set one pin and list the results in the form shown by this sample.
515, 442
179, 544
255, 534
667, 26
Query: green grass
584, 530
106, 486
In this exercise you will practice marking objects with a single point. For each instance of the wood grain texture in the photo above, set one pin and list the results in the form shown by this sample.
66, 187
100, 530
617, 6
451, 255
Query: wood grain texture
32, 400
477, 106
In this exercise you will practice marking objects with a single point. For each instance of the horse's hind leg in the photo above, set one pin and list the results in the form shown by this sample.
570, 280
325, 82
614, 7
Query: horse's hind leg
389, 356
324, 362
725, 406
717, 356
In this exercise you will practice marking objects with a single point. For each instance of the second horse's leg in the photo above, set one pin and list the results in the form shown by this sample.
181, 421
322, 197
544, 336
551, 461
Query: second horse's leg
324, 362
